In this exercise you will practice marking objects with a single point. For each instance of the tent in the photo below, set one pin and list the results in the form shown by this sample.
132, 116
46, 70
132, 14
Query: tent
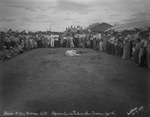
97, 27
132, 25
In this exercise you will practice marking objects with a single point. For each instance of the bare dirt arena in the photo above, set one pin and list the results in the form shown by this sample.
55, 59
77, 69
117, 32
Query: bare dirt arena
46, 80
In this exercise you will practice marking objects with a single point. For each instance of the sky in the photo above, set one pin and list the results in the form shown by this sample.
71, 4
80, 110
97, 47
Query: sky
43, 15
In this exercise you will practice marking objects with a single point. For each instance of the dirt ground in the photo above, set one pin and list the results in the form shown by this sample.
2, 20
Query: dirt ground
47, 80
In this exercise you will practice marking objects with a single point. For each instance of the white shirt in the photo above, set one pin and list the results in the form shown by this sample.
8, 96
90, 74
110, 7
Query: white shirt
112, 40
99, 36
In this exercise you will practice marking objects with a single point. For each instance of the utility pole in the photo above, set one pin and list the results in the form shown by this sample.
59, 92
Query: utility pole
50, 29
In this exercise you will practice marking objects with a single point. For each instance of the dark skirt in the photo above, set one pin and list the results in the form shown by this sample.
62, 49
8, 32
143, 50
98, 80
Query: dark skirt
148, 61
136, 56
112, 48
131, 51
120, 51
2, 44
143, 62
7, 44
13, 43
56, 44
64, 44
116, 50
76, 42
94, 44
39, 44
108, 48
67, 43
126, 51
91, 43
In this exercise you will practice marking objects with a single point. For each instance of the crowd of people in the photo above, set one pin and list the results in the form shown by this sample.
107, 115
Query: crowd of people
13, 43
133, 44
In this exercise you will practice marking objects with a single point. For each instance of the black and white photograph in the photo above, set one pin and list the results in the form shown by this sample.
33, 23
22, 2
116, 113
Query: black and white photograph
74, 58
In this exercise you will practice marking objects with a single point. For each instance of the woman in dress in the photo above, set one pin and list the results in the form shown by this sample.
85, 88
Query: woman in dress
126, 48
141, 50
116, 46
71, 42
136, 51
94, 42
112, 46
148, 55
101, 45
104, 42
143, 61
120, 47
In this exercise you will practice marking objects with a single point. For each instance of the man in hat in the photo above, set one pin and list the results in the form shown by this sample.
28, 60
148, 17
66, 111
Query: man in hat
68, 41
52, 41
7, 41
71, 41
143, 60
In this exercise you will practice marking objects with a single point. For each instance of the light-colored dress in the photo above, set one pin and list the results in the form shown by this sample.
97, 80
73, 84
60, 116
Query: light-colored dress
71, 42
52, 41
136, 52
101, 45
104, 43
126, 50
141, 50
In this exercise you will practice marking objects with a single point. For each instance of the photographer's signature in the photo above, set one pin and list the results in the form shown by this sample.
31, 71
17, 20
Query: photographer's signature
136, 110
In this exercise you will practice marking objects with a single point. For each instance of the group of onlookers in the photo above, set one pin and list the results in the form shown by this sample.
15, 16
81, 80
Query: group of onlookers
12, 44
134, 45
